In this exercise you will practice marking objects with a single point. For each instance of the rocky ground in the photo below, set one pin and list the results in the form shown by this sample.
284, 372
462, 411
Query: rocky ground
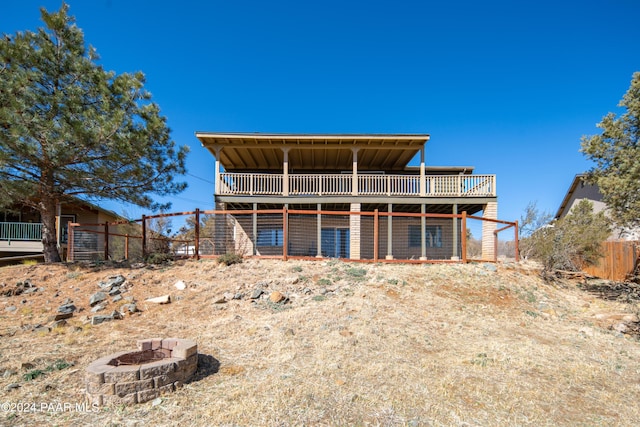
325, 343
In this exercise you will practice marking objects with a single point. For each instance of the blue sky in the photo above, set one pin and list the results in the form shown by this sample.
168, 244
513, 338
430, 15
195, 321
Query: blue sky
506, 86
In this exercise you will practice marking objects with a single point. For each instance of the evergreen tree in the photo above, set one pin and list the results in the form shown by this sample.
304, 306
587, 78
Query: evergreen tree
70, 128
616, 153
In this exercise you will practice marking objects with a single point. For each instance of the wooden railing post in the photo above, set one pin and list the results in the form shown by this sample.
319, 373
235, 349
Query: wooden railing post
70, 243
196, 243
126, 246
106, 241
144, 236
515, 239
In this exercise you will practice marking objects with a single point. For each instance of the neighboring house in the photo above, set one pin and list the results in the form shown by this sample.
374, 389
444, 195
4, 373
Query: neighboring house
21, 229
351, 173
580, 190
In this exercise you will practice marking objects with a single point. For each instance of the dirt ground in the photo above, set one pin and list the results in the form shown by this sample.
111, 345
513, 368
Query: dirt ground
351, 344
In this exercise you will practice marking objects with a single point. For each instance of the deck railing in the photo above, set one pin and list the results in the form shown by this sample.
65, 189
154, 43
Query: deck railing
23, 231
368, 185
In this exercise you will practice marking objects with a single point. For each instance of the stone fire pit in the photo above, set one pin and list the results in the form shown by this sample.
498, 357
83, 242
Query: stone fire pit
158, 366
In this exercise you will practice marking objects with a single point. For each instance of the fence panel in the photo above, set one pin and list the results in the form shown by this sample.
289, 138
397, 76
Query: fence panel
619, 260
365, 236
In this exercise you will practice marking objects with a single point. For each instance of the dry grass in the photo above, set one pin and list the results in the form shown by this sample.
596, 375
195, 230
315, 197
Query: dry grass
357, 344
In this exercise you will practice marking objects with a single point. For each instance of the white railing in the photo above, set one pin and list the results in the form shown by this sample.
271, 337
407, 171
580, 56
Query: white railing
368, 185
321, 185
250, 183
24, 231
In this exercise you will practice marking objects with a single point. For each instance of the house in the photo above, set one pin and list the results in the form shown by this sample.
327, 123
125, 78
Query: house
357, 174
579, 190
21, 229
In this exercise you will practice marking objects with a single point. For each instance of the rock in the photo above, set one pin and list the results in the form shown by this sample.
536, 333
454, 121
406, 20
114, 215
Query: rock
67, 308
11, 308
164, 299
220, 300
116, 315
180, 285
117, 298
229, 296
114, 292
67, 301
96, 298
112, 282
237, 295
276, 297
12, 386
256, 294
129, 308
60, 316
98, 308
40, 328
96, 320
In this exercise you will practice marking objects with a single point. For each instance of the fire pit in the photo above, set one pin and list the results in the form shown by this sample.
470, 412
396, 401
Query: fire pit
158, 366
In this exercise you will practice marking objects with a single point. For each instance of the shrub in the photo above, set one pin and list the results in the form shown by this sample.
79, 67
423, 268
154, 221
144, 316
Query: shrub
230, 258
571, 242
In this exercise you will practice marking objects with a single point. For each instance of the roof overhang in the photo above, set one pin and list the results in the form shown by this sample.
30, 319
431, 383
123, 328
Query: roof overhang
307, 152
577, 180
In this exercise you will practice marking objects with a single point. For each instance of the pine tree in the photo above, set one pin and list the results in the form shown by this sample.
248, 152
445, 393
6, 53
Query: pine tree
616, 153
70, 128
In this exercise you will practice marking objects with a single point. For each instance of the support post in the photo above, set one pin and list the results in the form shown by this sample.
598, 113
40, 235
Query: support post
255, 229
390, 232
515, 239
106, 241
464, 237
285, 172
454, 211
144, 236
217, 181
354, 176
285, 234
126, 246
375, 235
70, 249
423, 177
319, 231
196, 243
423, 231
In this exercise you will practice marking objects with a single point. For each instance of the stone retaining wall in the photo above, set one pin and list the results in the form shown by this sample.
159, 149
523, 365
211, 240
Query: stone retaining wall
110, 383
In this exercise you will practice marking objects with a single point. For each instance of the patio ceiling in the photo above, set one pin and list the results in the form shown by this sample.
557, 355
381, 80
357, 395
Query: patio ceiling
264, 152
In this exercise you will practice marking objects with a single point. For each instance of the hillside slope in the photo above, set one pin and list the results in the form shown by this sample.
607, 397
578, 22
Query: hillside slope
352, 344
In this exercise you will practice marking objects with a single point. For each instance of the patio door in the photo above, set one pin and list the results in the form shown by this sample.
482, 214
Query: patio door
335, 242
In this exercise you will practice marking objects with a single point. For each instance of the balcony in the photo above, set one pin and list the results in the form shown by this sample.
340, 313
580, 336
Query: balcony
262, 184
20, 237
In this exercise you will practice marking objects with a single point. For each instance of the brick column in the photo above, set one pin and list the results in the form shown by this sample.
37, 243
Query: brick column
488, 227
354, 232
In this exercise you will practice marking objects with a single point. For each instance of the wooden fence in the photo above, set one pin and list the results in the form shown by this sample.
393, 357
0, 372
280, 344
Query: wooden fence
619, 260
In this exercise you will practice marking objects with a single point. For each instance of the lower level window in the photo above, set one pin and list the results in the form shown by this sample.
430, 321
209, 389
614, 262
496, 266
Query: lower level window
432, 234
270, 237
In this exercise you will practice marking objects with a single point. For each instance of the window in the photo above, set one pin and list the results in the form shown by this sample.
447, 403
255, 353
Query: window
270, 237
433, 236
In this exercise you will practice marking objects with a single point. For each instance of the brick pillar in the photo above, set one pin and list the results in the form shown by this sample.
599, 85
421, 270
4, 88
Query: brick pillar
488, 227
354, 232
